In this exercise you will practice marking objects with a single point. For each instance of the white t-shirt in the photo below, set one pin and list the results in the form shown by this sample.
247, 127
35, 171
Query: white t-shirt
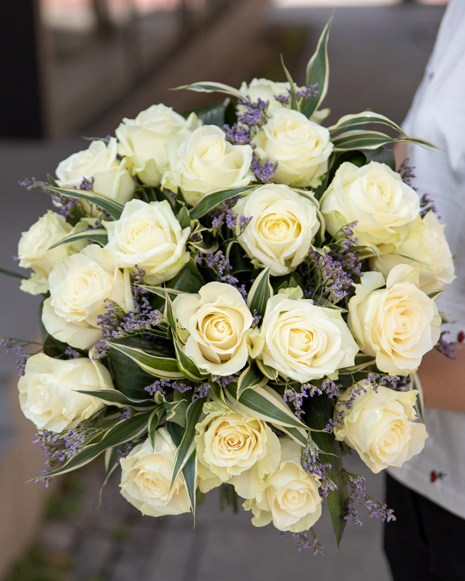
438, 115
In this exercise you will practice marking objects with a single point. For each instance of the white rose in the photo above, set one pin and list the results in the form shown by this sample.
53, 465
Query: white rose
397, 325
99, 161
282, 227
385, 208
267, 90
79, 284
291, 498
206, 162
300, 146
235, 448
48, 391
144, 138
380, 426
146, 478
430, 254
304, 341
34, 249
150, 236
217, 322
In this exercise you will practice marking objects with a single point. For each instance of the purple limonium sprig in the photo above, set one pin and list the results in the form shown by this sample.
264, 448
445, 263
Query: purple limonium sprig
358, 496
64, 203
123, 451
304, 93
17, 347
343, 250
86, 184
265, 170
224, 381
312, 464
256, 318
297, 398
406, 172
303, 542
224, 214
254, 113
382, 380
333, 282
237, 134
427, 205
218, 262
445, 347
161, 385
127, 414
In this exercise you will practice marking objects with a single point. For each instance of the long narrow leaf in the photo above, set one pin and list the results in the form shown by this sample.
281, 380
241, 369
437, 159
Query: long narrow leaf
164, 367
371, 140
113, 207
190, 479
11, 273
294, 103
260, 292
351, 121
152, 425
211, 87
122, 432
113, 396
187, 366
187, 445
99, 235
212, 200
250, 378
318, 72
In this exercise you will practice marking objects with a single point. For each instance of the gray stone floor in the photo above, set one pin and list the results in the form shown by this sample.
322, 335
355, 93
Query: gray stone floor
377, 59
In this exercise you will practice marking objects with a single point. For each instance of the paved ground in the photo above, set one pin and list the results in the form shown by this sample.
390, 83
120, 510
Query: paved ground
377, 59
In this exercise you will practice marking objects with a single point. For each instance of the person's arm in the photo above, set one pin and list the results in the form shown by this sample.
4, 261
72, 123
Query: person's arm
443, 380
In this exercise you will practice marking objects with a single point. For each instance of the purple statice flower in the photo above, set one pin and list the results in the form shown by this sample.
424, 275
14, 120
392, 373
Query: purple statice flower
117, 325
71, 353
254, 113
264, 171
308, 92
354, 392
445, 347
358, 496
342, 250
427, 205
33, 184
126, 415
220, 264
158, 385
297, 398
224, 381
406, 172
64, 203
330, 388
201, 391
381, 380
237, 134
123, 451
332, 282
224, 214
312, 464
17, 347
284, 99
86, 184
303, 542
256, 318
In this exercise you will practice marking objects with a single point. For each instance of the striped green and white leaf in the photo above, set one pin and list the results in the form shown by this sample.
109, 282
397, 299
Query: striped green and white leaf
210, 201
161, 291
187, 365
99, 235
265, 403
211, 87
294, 103
152, 425
420, 403
111, 206
318, 72
267, 370
170, 313
122, 432
348, 122
165, 367
187, 445
260, 292
190, 478
176, 411
250, 378
371, 140
115, 397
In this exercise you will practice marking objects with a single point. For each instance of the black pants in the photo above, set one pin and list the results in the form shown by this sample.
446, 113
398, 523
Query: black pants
426, 542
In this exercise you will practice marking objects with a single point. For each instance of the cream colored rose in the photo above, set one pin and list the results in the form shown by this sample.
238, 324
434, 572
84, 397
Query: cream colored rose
34, 249
98, 161
396, 325
235, 448
385, 208
149, 236
300, 146
282, 227
380, 426
206, 162
217, 322
146, 478
430, 254
291, 499
144, 138
48, 391
304, 341
79, 284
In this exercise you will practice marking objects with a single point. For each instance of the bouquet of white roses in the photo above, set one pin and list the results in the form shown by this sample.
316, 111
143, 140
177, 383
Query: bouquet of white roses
234, 297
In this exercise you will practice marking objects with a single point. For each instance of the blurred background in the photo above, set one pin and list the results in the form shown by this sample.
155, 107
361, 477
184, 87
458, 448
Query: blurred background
74, 68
